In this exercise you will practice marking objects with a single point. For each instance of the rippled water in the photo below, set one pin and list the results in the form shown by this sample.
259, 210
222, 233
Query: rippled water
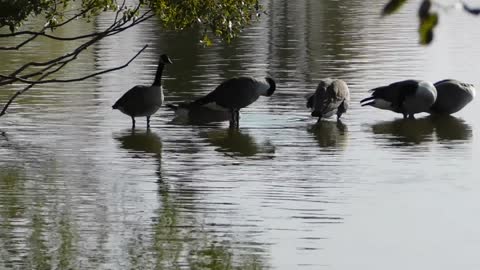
80, 190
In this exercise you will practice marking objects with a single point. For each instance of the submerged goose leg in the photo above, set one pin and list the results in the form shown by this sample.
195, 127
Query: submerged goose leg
133, 122
237, 118
232, 119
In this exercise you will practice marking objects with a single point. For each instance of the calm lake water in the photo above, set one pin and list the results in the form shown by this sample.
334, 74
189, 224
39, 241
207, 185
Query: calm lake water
80, 190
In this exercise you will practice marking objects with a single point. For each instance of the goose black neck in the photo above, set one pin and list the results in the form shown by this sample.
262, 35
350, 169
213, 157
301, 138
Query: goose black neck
158, 76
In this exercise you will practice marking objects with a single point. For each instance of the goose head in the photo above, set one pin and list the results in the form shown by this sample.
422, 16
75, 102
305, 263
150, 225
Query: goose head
272, 88
165, 59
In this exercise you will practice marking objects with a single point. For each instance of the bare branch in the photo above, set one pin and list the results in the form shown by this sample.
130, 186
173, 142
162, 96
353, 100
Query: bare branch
123, 20
41, 81
115, 28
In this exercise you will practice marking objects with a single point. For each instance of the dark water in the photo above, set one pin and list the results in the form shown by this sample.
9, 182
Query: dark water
80, 190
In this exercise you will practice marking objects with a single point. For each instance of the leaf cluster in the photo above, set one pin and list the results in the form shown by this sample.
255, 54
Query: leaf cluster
428, 19
224, 18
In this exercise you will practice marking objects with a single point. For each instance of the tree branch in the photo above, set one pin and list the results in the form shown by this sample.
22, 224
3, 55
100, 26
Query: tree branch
41, 81
116, 27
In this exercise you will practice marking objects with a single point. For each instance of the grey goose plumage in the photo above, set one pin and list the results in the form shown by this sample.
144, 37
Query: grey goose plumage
406, 97
452, 96
235, 94
332, 96
144, 100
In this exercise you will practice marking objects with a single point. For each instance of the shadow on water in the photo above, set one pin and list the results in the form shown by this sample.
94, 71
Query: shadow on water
449, 128
402, 132
36, 227
180, 238
237, 143
330, 135
140, 142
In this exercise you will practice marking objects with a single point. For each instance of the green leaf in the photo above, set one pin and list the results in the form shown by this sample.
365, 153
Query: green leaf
392, 6
425, 30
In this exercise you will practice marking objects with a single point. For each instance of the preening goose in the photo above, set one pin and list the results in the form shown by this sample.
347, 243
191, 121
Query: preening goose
406, 97
331, 97
144, 100
235, 94
452, 96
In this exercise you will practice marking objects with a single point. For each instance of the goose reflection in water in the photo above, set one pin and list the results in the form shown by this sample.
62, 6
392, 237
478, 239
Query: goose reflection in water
451, 128
236, 143
329, 134
141, 142
408, 132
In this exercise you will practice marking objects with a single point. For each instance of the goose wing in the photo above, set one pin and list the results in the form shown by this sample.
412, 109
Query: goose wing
329, 96
234, 93
139, 97
452, 96
394, 93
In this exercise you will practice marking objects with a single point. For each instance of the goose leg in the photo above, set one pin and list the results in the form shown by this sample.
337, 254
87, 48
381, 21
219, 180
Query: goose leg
232, 118
148, 121
411, 116
133, 122
237, 118
405, 115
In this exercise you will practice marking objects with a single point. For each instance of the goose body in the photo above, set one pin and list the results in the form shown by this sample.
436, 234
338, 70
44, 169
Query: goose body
141, 100
331, 97
235, 94
452, 96
406, 97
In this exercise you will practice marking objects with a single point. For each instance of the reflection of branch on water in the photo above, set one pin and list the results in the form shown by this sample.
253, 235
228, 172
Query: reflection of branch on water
235, 143
406, 131
330, 134
180, 239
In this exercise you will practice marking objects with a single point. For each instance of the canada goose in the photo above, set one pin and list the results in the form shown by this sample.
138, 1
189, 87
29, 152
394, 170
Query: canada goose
236, 93
331, 97
195, 114
452, 96
144, 100
406, 97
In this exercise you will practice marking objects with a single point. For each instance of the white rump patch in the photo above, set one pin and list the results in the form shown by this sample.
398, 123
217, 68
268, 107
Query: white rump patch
382, 104
427, 89
262, 88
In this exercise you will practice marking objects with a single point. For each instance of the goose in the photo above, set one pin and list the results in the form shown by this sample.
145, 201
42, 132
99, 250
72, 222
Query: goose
452, 96
144, 100
406, 97
235, 94
331, 97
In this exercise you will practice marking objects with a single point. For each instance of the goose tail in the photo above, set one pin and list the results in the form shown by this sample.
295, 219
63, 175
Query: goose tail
367, 101
172, 106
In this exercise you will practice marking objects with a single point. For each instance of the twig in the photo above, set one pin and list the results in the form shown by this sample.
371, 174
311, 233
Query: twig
32, 83
115, 28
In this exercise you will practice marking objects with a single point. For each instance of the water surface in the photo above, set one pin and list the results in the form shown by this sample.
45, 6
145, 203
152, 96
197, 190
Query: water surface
80, 190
